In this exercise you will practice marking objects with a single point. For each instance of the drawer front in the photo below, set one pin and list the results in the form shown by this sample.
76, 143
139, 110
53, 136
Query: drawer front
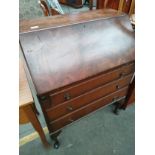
93, 83
80, 101
63, 121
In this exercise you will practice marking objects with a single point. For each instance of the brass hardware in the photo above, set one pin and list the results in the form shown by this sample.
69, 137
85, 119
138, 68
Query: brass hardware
117, 87
67, 96
69, 108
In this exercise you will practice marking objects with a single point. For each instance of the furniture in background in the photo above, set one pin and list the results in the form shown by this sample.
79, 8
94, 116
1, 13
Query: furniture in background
48, 11
77, 3
90, 3
79, 64
127, 6
72, 3
27, 110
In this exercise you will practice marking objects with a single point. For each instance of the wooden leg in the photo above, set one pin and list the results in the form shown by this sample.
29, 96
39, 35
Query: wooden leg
90, 4
56, 141
30, 112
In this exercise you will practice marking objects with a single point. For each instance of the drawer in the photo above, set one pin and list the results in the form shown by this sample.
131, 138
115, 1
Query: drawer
82, 100
63, 121
74, 91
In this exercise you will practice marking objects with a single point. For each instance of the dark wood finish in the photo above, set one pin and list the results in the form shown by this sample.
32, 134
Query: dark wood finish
86, 98
80, 65
78, 62
90, 84
67, 119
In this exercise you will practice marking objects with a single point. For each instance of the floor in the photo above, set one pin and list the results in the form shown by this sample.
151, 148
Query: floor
100, 133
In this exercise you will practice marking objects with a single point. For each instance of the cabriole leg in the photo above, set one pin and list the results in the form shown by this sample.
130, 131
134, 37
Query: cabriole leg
55, 139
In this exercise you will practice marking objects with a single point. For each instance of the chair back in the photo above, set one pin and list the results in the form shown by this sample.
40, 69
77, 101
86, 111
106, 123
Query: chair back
46, 10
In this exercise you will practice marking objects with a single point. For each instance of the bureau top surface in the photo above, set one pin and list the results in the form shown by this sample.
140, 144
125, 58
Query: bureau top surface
65, 20
60, 55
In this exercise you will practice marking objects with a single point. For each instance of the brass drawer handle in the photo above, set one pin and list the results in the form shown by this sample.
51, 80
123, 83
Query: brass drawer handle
69, 108
122, 74
67, 96
117, 87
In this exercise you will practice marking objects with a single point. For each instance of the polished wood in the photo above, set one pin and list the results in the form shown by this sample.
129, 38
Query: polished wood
78, 62
27, 111
87, 85
75, 3
65, 20
71, 117
84, 99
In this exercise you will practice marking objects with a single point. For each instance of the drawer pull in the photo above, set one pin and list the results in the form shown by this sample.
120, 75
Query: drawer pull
69, 108
122, 74
67, 96
117, 87
43, 98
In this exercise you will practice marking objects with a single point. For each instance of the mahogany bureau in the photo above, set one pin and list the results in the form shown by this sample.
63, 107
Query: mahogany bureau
78, 63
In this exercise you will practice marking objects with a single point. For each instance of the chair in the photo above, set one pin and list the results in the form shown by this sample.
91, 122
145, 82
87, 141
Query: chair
46, 10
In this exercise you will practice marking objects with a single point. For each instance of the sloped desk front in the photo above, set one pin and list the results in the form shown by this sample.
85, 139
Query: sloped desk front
78, 63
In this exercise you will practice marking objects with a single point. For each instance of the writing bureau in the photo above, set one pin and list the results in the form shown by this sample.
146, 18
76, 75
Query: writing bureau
78, 63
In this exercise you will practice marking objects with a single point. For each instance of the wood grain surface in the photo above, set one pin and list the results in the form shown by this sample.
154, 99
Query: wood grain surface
60, 56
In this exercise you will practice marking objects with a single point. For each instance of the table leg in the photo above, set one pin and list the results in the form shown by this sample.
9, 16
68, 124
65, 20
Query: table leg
30, 112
